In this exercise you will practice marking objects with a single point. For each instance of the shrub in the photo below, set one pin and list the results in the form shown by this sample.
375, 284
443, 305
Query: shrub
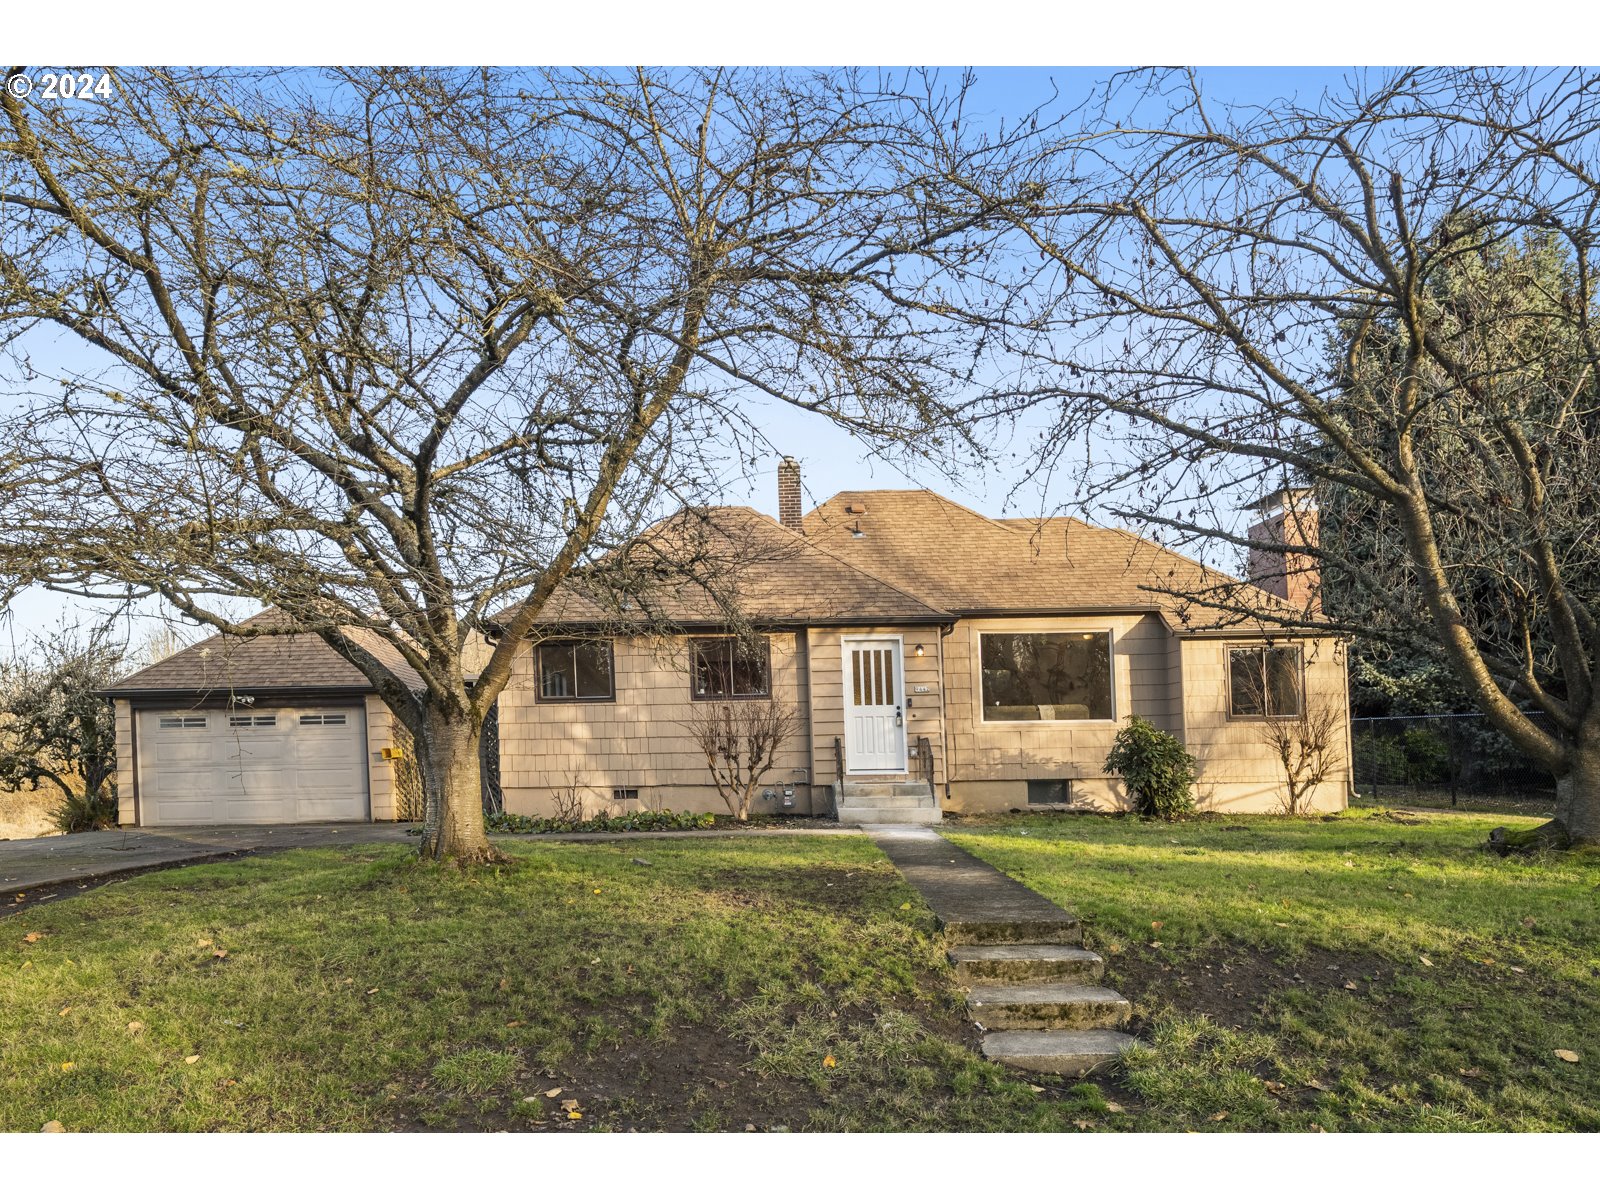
1155, 766
643, 820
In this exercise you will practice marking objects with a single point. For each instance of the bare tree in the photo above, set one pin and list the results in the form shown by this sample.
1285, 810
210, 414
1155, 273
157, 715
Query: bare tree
56, 728
1306, 738
1205, 263
741, 742
393, 350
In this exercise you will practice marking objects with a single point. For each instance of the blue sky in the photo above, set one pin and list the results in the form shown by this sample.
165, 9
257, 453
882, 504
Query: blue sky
831, 460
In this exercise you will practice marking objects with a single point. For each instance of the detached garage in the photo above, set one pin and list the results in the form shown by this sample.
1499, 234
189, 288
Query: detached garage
275, 729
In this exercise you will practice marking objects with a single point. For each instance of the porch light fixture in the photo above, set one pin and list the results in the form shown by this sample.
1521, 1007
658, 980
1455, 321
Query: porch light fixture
920, 650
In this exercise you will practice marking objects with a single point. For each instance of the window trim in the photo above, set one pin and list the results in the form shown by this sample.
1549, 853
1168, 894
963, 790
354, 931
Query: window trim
1227, 675
766, 647
1111, 680
611, 671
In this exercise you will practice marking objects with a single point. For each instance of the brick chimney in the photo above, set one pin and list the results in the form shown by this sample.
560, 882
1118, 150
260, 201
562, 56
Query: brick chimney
1288, 518
789, 494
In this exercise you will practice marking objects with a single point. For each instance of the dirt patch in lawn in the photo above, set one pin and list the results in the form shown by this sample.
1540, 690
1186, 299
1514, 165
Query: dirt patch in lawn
1233, 984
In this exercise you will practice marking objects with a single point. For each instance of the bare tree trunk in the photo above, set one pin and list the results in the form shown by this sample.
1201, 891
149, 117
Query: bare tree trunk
1578, 794
447, 758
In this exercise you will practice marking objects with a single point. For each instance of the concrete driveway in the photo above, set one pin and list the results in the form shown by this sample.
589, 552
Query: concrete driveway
38, 863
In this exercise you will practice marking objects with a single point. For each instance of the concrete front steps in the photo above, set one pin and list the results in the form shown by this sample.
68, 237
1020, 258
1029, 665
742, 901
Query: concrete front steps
897, 803
1031, 985
1036, 994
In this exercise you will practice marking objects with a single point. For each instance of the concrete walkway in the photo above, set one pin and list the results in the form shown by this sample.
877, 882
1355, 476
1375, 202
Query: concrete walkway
28, 866
1031, 986
973, 901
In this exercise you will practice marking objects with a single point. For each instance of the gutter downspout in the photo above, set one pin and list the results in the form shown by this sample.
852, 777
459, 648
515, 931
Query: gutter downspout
944, 707
804, 645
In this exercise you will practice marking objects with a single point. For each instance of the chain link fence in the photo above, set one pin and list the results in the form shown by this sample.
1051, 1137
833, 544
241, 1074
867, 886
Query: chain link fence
1446, 760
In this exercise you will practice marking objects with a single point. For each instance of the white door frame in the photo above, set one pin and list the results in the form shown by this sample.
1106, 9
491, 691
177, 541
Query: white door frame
845, 644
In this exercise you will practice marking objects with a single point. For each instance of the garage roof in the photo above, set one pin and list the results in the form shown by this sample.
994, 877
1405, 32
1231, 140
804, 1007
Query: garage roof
266, 662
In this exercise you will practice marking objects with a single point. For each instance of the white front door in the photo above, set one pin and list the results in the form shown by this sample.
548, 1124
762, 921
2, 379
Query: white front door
874, 706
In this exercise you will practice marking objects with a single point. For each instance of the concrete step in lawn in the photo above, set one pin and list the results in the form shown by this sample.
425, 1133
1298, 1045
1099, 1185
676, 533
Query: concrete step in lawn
1026, 964
1053, 929
1056, 1051
1047, 1006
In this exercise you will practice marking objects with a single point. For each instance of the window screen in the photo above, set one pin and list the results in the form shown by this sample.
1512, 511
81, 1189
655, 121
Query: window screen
1049, 791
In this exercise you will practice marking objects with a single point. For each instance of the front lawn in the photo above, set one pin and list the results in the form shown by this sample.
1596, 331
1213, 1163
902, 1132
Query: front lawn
775, 982
1376, 971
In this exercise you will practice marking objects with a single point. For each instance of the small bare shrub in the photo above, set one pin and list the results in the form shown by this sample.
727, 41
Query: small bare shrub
741, 741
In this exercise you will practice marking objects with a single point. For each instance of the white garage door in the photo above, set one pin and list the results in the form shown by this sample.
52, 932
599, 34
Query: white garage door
252, 767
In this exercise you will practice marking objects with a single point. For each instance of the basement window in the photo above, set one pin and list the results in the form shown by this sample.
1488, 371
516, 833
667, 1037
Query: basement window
624, 793
1049, 793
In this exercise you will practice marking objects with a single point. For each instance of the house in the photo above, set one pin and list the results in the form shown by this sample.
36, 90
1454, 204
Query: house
939, 660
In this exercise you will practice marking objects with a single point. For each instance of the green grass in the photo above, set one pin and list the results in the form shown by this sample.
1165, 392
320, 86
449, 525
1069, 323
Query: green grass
1362, 973
360, 991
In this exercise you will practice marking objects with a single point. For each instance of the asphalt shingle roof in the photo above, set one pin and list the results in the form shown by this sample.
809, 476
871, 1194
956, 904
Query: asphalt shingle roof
967, 563
867, 557
266, 662
699, 566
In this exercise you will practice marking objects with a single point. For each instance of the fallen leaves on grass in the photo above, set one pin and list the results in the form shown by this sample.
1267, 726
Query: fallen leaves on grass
191, 1059
67, 1066
830, 1062
135, 1026
1425, 960
52, 1127
32, 937
1570, 1056
64, 1011
1318, 1085
552, 1093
